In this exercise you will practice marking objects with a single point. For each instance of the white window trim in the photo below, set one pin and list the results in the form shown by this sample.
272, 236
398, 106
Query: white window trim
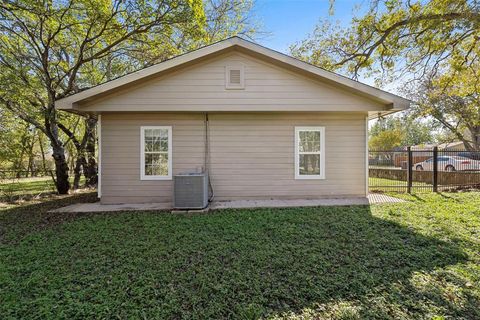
142, 153
322, 153
230, 86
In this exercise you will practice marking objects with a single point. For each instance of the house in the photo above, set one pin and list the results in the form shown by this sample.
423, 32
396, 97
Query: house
264, 125
446, 146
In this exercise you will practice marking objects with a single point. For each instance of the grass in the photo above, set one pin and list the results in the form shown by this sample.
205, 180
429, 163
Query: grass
12, 190
414, 260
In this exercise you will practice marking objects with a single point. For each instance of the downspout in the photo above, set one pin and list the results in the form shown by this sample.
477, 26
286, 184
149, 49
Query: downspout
367, 165
99, 164
206, 164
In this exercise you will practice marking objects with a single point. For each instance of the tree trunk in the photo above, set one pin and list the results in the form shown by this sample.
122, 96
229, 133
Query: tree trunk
90, 165
58, 149
77, 171
31, 156
471, 142
476, 138
42, 152
18, 164
61, 169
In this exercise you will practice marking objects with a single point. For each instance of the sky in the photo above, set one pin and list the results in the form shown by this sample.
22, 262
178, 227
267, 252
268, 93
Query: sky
289, 21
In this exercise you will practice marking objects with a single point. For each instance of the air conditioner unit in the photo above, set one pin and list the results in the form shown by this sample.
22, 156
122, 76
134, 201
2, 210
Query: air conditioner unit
190, 191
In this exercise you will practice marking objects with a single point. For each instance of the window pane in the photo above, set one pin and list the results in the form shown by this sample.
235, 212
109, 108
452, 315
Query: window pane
309, 141
152, 144
164, 143
156, 164
309, 164
155, 132
156, 140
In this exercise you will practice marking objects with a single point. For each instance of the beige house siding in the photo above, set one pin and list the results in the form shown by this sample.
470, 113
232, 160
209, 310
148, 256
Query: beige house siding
201, 87
252, 155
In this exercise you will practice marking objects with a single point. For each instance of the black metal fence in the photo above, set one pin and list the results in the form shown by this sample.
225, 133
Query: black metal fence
423, 170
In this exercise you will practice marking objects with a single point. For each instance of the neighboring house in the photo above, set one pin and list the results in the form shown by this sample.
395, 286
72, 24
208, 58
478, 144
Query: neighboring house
447, 146
452, 146
267, 126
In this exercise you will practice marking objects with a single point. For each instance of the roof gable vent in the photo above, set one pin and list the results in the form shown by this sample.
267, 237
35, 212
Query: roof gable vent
234, 77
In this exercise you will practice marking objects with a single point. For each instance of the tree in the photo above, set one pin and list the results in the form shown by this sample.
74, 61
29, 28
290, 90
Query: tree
386, 140
410, 130
431, 46
50, 49
453, 99
21, 147
226, 18
84, 150
223, 19
396, 37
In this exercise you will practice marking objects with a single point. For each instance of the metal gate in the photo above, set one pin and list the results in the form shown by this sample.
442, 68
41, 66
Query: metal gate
429, 170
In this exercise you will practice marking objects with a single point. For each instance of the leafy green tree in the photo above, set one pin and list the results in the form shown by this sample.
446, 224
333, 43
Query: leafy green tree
412, 130
386, 140
444, 136
453, 99
431, 47
226, 18
223, 19
49, 49
22, 147
396, 37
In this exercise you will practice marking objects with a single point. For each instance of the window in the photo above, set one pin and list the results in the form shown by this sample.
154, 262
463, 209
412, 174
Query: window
234, 77
309, 153
156, 153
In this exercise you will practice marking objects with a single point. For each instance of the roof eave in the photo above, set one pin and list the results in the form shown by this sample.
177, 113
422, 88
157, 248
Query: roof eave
394, 108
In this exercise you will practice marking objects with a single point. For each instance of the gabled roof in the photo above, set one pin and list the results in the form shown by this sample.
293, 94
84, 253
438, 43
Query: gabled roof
441, 146
395, 103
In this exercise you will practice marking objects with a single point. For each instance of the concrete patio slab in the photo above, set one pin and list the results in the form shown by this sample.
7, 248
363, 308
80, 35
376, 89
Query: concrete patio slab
371, 199
98, 207
243, 204
378, 198
239, 204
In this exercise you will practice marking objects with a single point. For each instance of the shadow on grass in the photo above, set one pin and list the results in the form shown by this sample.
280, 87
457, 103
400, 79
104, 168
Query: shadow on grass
420, 197
20, 220
417, 197
446, 196
229, 264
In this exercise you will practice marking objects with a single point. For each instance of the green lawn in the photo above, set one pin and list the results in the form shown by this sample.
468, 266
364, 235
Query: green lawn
27, 188
415, 260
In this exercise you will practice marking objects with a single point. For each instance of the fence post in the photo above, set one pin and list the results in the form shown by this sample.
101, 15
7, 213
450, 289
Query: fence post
435, 169
409, 170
